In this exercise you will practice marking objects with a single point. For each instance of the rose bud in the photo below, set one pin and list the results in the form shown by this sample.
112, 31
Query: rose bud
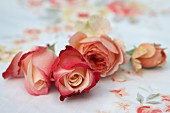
148, 56
104, 54
72, 73
36, 66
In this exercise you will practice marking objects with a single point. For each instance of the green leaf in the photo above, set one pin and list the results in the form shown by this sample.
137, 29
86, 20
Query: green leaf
153, 102
152, 96
140, 98
51, 47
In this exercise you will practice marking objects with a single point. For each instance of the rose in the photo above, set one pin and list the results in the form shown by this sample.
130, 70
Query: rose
148, 56
36, 67
72, 73
104, 54
148, 109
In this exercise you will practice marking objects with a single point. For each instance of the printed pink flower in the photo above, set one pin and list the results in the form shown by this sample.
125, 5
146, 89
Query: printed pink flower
35, 3
167, 109
37, 68
122, 9
148, 56
72, 73
120, 92
123, 105
148, 109
55, 3
104, 54
166, 100
119, 8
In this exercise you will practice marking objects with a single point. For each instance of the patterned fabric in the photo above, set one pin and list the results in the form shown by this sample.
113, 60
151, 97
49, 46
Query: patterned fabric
25, 23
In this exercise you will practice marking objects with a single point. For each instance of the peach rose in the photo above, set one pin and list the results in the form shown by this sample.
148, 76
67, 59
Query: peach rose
104, 54
148, 109
35, 66
72, 73
148, 56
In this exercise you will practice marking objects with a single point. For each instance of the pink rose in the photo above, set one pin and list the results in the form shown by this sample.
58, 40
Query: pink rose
148, 109
72, 73
104, 54
36, 67
148, 56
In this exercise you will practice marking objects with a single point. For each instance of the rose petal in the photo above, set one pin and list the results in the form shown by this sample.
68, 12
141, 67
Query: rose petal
25, 62
144, 51
39, 55
36, 77
119, 59
139, 52
107, 42
29, 81
121, 44
136, 65
59, 72
163, 58
12, 70
44, 60
150, 50
74, 40
101, 47
70, 57
95, 78
63, 90
155, 60
38, 48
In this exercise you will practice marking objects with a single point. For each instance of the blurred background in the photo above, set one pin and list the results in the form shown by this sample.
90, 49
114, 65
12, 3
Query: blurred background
24, 23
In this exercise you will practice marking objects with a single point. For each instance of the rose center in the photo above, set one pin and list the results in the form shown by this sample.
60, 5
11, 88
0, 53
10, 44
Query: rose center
97, 62
75, 80
39, 84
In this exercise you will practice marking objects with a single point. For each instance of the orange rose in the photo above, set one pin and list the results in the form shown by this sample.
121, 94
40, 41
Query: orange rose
148, 56
104, 54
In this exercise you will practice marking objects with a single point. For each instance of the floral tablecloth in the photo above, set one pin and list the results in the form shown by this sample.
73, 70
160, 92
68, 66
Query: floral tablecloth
25, 23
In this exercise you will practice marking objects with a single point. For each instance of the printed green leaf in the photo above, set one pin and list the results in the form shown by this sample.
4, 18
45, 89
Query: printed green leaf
153, 102
152, 96
140, 98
